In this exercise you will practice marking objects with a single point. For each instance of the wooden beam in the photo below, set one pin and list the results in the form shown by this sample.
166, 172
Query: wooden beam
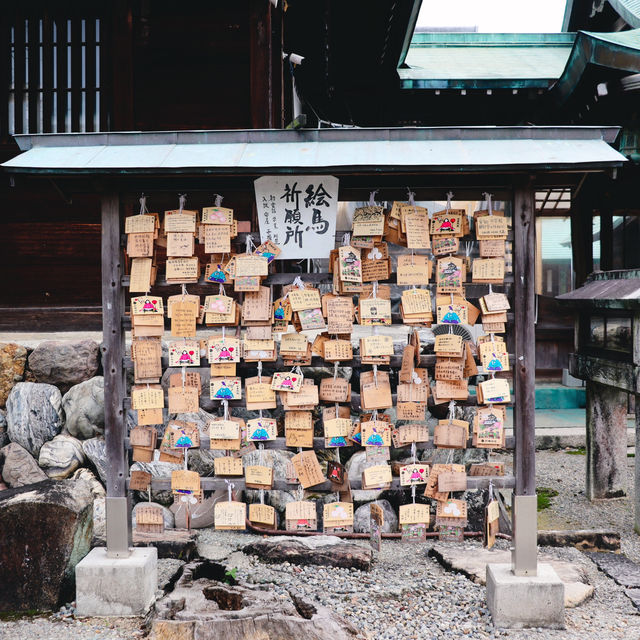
525, 338
113, 344
606, 240
582, 239
261, 74
121, 51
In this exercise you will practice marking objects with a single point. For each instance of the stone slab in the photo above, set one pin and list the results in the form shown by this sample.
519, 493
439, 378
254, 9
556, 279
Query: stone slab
542, 595
634, 596
116, 586
329, 551
473, 562
618, 567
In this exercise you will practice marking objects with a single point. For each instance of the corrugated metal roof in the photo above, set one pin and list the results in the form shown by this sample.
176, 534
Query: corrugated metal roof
481, 60
338, 150
613, 292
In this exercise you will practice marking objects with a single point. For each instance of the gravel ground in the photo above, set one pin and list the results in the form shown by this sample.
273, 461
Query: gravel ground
407, 594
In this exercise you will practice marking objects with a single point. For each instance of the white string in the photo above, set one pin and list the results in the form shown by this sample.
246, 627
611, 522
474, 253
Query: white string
452, 410
224, 332
335, 370
182, 199
337, 411
413, 451
411, 197
449, 197
298, 282
221, 291
261, 496
346, 239
372, 196
490, 289
375, 373
143, 204
261, 452
487, 197
219, 199
230, 486
225, 406
259, 371
413, 493
249, 244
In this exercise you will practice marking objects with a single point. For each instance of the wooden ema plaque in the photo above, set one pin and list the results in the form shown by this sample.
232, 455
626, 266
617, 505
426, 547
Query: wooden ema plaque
301, 516
149, 519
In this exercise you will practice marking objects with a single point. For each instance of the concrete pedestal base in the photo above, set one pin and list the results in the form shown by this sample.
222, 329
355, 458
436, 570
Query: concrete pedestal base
522, 602
116, 586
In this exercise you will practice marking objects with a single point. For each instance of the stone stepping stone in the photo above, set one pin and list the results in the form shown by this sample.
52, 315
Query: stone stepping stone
619, 568
472, 563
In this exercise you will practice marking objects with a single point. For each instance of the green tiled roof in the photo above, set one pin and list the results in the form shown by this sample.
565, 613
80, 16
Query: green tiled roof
485, 60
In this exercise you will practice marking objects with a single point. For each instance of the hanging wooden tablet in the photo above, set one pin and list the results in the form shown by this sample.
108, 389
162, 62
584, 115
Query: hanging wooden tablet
443, 246
301, 516
368, 221
449, 275
263, 515
334, 390
140, 481
495, 390
413, 270
375, 391
431, 490
448, 223
338, 517
308, 469
491, 523
407, 433
338, 350
262, 429
488, 270
374, 311
228, 466
259, 394
449, 345
225, 388
487, 469
229, 515
451, 434
415, 223
184, 353
451, 513
258, 477
149, 519
147, 359
414, 520
415, 473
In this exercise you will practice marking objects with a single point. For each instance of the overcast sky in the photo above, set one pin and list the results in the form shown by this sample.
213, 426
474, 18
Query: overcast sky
497, 16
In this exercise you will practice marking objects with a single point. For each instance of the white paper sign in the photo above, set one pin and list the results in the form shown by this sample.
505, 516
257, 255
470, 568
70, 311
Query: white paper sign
298, 213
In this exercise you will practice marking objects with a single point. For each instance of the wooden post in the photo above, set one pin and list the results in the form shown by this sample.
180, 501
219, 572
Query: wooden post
261, 75
606, 240
524, 552
582, 238
113, 343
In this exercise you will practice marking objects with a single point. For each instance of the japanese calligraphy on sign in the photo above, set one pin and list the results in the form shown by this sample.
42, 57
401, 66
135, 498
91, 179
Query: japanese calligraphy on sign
298, 213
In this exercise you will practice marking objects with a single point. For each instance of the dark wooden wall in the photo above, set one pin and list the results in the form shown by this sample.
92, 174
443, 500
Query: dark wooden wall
163, 66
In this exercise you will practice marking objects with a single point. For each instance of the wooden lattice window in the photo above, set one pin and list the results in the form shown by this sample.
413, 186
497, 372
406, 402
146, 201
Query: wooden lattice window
56, 73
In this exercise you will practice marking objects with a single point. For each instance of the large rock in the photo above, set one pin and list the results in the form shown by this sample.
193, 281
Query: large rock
34, 415
96, 451
157, 470
45, 530
61, 456
167, 515
354, 467
19, 468
83, 408
329, 551
4, 436
13, 357
100, 518
64, 363
362, 518
202, 460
